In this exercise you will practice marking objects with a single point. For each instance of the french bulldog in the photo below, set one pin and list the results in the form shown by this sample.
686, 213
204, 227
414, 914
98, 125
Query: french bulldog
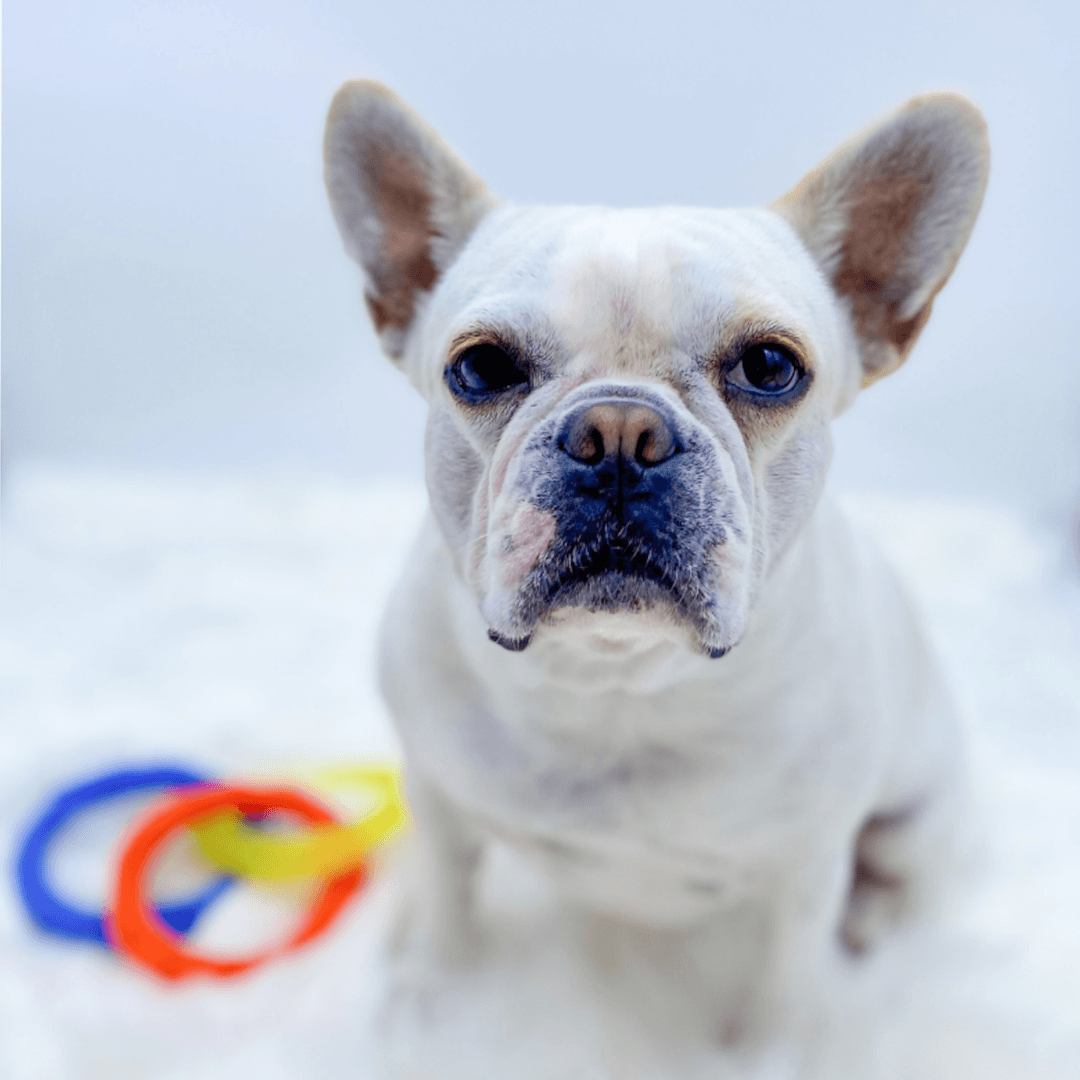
636, 643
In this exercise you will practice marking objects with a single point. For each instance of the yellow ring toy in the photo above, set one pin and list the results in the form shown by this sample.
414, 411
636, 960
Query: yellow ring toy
321, 850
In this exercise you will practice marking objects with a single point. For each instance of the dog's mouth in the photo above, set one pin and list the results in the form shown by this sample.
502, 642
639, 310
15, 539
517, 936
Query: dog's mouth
619, 560
612, 567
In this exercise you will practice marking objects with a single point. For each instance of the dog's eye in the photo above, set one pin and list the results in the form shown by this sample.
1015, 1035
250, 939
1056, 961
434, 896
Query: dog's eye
483, 370
765, 370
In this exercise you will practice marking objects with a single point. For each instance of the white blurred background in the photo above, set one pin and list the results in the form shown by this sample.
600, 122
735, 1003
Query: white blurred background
176, 295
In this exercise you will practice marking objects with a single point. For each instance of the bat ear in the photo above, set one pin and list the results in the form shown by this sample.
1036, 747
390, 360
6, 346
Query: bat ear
888, 214
404, 203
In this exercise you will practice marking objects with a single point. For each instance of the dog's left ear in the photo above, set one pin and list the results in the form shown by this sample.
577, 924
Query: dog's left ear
404, 202
888, 214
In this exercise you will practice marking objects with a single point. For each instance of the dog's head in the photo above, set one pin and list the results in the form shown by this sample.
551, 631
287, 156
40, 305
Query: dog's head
629, 409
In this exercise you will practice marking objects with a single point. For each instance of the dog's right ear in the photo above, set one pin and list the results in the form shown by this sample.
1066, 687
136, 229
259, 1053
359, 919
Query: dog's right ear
403, 201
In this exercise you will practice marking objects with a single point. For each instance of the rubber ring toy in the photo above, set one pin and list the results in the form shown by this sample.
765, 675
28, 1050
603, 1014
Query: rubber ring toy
51, 914
324, 850
134, 929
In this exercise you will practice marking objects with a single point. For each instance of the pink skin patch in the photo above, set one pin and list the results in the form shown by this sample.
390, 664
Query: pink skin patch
730, 560
530, 535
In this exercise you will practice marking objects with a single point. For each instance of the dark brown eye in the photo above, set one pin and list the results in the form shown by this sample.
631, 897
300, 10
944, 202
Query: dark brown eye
482, 371
765, 370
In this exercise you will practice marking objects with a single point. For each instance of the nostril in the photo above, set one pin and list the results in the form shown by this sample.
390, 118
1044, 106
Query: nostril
654, 442
585, 443
642, 452
654, 447
592, 449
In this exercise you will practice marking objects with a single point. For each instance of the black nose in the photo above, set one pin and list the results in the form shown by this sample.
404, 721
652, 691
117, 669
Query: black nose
620, 429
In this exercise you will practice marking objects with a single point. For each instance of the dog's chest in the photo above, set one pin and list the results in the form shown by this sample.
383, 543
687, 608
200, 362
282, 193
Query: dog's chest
655, 805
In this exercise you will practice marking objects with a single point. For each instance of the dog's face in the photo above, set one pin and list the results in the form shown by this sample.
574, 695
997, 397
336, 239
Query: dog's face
629, 410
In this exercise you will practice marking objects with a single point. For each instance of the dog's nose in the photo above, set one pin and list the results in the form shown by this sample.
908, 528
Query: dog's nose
616, 428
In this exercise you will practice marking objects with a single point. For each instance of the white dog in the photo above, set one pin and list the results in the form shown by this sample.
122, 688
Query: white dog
635, 643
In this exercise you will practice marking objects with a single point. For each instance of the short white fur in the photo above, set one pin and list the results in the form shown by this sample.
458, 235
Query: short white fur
758, 817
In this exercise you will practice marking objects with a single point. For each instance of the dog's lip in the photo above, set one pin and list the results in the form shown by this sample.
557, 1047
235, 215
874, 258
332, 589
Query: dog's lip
511, 644
597, 566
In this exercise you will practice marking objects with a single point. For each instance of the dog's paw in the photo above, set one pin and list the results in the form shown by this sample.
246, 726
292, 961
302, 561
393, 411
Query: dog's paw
424, 972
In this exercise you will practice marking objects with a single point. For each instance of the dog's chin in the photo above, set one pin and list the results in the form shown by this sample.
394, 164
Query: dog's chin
616, 612
618, 632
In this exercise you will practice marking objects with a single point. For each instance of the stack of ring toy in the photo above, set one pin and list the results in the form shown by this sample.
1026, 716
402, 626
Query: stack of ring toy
227, 823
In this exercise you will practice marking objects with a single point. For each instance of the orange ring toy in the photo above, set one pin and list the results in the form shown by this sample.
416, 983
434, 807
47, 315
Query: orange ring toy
134, 928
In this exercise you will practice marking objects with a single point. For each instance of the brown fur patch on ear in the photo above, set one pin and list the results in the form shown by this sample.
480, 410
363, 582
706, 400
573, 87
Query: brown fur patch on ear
871, 268
888, 215
407, 231
404, 203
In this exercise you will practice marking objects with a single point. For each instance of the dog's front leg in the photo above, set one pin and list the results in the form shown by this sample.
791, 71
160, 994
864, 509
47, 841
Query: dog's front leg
436, 926
914, 844
905, 861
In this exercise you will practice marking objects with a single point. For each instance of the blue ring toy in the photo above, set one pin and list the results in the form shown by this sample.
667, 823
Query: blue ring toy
51, 914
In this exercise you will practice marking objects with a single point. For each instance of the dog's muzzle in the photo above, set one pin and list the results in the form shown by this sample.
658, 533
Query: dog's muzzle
631, 488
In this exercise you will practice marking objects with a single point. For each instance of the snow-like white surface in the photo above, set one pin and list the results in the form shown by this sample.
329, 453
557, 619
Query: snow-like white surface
232, 624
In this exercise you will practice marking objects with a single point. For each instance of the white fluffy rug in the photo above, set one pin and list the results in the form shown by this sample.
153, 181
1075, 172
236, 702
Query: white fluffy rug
232, 625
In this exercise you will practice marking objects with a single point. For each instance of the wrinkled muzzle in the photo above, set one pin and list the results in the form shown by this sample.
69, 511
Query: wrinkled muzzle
620, 501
